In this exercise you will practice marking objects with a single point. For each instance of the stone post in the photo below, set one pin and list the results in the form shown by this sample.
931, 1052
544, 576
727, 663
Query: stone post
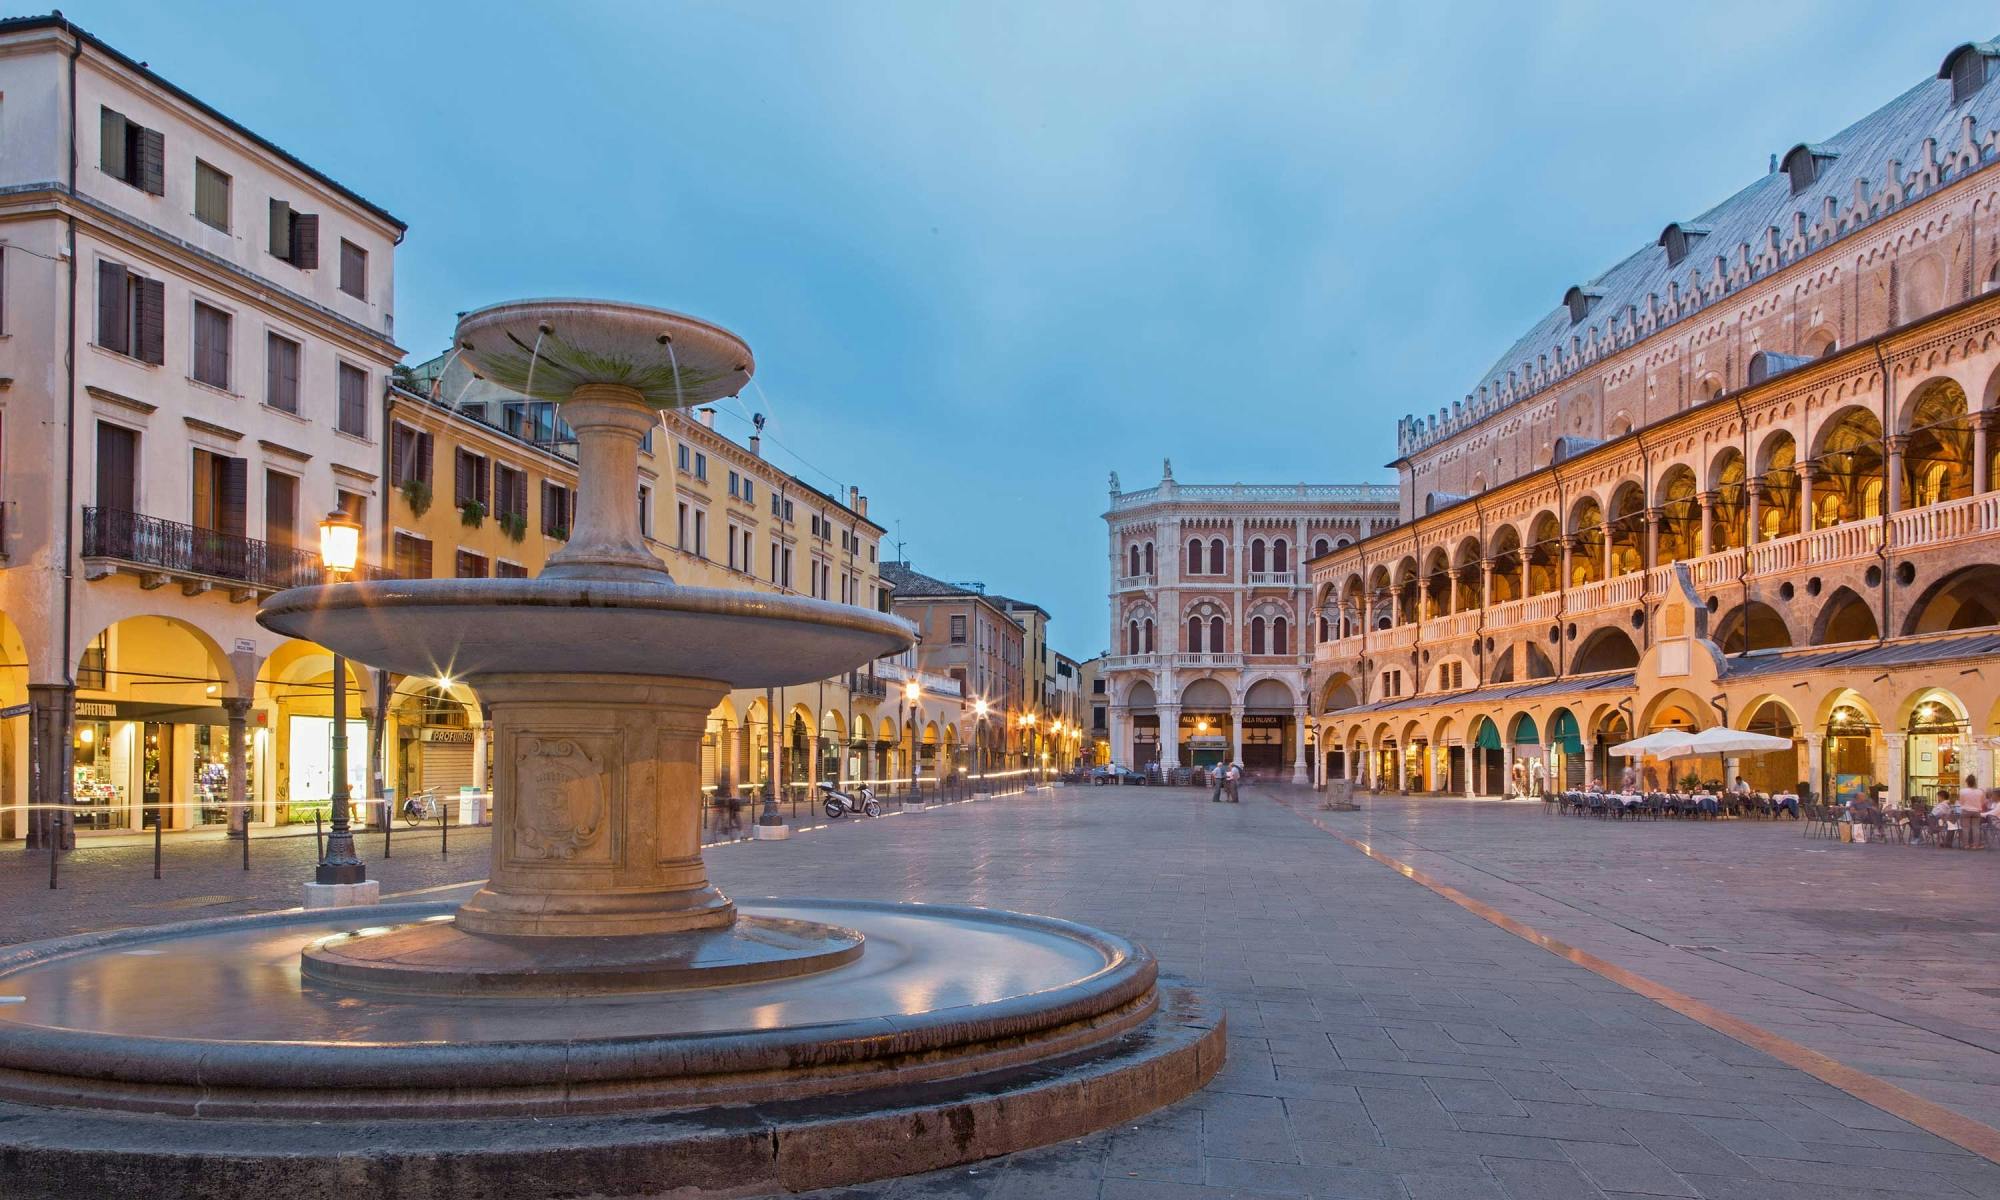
1812, 772
1471, 770
1170, 734
1982, 466
1891, 772
1610, 559
1236, 732
1653, 518
238, 710
51, 716
1486, 583
1753, 530
1807, 517
1707, 544
1300, 771
1897, 443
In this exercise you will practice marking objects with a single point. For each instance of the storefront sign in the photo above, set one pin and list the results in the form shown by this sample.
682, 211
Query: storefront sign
1265, 721
17, 710
144, 710
459, 737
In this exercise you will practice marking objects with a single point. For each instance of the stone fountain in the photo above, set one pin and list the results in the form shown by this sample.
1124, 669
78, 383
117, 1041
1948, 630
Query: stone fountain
662, 1038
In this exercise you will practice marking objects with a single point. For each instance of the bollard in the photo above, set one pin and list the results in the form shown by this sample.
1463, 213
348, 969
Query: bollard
444, 830
388, 825
246, 840
319, 846
159, 823
54, 834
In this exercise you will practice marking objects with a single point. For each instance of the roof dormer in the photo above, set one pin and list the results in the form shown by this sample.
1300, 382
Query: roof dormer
1804, 162
1675, 239
1968, 67
1579, 301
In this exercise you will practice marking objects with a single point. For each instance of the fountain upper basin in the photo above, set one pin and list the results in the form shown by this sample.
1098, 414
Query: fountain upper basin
548, 348
465, 628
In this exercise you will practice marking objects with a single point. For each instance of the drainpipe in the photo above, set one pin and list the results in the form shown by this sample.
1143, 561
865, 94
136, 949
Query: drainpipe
1562, 576
1479, 633
1743, 567
1645, 561
1882, 542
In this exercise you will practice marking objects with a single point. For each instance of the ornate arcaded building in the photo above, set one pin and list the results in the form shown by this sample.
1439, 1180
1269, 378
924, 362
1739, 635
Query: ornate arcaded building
1779, 412
1210, 647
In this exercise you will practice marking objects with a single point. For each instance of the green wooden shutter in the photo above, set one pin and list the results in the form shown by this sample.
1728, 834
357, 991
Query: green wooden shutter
113, 330
111, 142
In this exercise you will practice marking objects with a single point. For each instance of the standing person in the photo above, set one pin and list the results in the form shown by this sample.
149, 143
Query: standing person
1235, 779
1217, 771
1628, 782
1538, 774
1972, 811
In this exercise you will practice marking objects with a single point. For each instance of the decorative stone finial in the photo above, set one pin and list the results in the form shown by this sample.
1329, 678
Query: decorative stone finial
1114, 483
1166, 468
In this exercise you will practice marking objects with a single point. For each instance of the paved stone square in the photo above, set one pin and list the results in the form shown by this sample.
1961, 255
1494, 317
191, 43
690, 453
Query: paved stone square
1384, 1041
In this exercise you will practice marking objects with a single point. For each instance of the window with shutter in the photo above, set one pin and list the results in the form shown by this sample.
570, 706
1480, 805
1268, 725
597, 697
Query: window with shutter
423, 471
470, 565
114, 307
281, 373
211, 196
353, 270
353, 400
509, 570
281, 509
112, 142
117, 467
151, 163
413, 557
211, 345
305, 241
280, 243
469, 478
149, 333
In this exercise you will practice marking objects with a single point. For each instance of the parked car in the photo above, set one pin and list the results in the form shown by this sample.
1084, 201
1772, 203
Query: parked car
1114, 773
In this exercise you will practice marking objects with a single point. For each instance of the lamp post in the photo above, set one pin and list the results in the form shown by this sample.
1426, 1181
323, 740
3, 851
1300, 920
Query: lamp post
979, 712
911, 693
340, 878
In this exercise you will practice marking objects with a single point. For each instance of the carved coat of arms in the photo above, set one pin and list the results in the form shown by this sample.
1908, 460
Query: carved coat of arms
560, 798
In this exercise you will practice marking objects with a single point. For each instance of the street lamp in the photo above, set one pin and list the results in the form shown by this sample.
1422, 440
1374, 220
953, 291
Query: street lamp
979, 707
911, 693
339, 551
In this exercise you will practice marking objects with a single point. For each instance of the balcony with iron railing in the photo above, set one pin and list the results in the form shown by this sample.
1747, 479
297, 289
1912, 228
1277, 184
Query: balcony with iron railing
867, 686
161, 552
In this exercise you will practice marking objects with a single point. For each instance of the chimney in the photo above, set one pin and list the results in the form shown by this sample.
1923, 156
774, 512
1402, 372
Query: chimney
757, 445
708, 417
854, 497
862, 505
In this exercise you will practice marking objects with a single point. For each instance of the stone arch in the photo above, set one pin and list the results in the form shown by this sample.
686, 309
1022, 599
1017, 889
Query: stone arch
158, 639
1269, 694
1465, 574
1777, 461
1968, 598
1728, 478
1945, 701
1504, 549
1849, 462
1207, 694
1680, 514
1752, 625
1337, 693
1937, 460
1626, 519
1607, 649
1675, 703
1845, 617
1139, 694
1586, 526
1536, 663
1542, 555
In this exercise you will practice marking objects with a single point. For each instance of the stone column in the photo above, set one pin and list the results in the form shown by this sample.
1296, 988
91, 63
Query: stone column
597, 819
1471, 770
51, 717
1806, 473
1653, 519
479, 731
1506, 767
1236, 732
1119, 720
1891, 771
1754, 519
1568, 561
1893, 467
605, 542
238, 710
1170, 734
1707, 543
1811, 774
1300, 772
1982, 467
1486, 583
1610, 560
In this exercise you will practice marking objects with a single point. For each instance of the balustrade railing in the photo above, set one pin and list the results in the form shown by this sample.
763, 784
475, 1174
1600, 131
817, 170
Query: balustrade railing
1274, 579
1129, 583
178, 549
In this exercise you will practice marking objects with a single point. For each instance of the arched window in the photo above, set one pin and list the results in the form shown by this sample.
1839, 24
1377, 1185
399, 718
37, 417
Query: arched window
1149, 635
1320, 548
1278, 552
1216, 564
1135, 561
1257, 555
1132, 637
1216, 642
1256, 635
1278, 636
1194, 635
1194, 556
1149, 558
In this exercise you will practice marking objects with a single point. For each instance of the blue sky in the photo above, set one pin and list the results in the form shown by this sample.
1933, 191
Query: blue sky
988, 253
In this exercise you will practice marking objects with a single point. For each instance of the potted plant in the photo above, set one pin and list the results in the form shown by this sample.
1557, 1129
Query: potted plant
417, 494
558, 532
1690, 782
514, 525
472, 513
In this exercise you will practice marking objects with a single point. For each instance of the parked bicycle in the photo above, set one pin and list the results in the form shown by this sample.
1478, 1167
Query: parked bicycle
424, 808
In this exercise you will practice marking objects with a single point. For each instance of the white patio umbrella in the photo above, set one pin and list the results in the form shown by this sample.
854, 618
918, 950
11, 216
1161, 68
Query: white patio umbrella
1724, 740
1664, 743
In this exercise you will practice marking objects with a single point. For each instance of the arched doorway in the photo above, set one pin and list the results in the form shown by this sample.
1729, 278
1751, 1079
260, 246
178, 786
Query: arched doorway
1608, 649
1847, 750
1489, 759
1565, 750
1937, 748
1141, 708
1529, 765
1968, 598
1753, 625
1773, 770
1609, 769
1269, 729
1846, 617
1205, 730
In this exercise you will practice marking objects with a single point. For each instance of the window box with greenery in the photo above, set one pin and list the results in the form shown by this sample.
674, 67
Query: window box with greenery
417, 494
472, 514
514, 525
558, 532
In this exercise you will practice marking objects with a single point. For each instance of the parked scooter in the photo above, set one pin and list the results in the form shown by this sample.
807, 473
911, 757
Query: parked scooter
838, 803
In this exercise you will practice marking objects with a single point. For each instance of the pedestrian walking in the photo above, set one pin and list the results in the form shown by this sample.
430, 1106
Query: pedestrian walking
1234, 778
1217, 771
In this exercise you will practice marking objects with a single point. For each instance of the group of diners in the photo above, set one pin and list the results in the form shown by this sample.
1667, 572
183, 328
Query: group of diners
1963, 818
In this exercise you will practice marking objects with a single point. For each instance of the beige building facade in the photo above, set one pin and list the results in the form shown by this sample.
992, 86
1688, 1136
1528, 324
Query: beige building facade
1781, 410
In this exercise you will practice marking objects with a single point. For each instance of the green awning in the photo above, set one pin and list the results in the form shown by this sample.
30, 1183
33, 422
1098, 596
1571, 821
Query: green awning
1563, 732
1525, 733
1489, 737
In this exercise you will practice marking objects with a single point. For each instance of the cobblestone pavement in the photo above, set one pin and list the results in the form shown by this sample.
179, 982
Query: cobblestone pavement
1384, 1042
1886, 957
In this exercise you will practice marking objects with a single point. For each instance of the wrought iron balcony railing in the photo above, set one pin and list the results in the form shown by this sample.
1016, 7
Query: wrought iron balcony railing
171, 548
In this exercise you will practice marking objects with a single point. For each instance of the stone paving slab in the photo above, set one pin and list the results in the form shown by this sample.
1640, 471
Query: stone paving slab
1384, 1041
